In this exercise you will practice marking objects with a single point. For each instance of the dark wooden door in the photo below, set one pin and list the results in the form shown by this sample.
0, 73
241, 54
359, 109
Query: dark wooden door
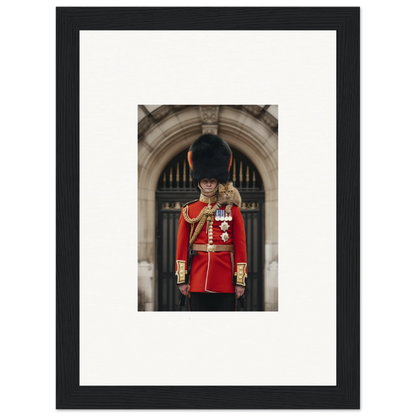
253, 223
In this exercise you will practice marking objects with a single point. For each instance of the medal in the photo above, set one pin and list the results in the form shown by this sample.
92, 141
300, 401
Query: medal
222, 215
218, 215
228, 216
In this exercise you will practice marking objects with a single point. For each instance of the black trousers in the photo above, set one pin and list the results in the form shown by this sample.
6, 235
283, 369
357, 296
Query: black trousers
212, 302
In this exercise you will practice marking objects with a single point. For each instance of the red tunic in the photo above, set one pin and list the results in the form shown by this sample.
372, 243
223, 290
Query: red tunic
212, 271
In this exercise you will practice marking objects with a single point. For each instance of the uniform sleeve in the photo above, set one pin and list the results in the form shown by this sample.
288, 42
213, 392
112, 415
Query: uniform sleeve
181, 267
239, 236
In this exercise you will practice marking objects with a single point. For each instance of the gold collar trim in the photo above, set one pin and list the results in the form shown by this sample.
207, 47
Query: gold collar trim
206, 200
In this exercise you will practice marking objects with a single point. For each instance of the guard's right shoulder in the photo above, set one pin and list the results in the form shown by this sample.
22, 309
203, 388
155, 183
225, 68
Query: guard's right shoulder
189, 203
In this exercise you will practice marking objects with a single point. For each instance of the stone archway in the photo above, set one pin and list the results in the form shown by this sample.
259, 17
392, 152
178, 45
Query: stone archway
175, 132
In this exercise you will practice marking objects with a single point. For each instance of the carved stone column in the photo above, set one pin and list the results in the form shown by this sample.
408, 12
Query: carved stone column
209, 118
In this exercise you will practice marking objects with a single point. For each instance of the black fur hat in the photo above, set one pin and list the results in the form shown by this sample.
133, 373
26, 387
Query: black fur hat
209, 157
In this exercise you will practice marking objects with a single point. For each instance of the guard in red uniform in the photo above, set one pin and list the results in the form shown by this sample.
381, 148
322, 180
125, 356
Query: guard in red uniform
211, 258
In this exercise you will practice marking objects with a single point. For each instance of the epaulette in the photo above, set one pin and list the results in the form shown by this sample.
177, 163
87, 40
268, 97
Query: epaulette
190, 202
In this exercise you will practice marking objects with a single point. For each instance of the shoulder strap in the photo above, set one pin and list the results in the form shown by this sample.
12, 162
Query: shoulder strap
190, 202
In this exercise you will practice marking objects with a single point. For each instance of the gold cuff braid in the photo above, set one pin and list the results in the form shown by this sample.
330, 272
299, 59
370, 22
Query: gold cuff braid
241, 274
181, 272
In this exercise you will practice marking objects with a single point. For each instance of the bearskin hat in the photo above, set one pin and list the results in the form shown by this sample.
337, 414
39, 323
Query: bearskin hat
209, 157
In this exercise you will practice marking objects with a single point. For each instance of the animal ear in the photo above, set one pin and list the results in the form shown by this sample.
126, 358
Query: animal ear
230, 183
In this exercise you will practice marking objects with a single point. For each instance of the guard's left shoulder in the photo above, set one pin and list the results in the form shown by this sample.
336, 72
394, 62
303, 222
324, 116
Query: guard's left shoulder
236, 207
236, 210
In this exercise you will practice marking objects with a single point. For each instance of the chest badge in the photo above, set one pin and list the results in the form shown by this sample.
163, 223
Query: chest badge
224, 226
225, 237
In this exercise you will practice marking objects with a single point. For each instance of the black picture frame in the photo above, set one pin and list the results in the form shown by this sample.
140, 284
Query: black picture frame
346, 22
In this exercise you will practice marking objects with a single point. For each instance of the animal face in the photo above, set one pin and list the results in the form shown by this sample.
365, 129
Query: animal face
226, 191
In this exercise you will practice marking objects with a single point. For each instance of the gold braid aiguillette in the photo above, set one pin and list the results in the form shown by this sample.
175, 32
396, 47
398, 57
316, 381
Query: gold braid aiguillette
205, 214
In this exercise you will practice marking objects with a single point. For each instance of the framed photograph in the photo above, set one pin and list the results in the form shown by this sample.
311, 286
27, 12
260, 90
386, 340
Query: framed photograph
136, 88
165, 135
